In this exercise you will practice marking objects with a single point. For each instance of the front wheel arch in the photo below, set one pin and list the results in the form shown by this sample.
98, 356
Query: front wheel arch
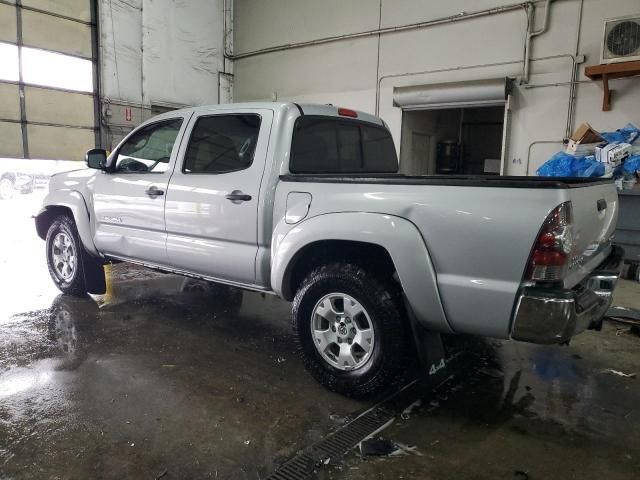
74, 204
46, 217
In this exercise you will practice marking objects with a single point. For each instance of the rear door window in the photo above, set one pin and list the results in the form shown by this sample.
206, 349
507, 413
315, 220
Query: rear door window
336, 145
222, 144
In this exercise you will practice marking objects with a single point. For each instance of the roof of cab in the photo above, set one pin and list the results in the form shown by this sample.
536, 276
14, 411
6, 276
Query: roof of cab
304, 108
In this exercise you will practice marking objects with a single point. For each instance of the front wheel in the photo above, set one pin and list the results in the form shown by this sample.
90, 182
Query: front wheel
352, 330
69, 265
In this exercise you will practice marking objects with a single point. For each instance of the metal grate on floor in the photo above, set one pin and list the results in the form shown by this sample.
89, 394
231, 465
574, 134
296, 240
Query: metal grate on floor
334, 445
365, 425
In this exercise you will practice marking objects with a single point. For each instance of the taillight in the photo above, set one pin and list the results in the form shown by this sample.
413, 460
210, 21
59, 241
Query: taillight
551, 252
346, 112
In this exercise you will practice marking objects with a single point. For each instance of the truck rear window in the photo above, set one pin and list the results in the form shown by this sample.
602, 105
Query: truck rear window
336, 145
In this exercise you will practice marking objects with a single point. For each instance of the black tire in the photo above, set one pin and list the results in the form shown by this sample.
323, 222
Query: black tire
381, 298
85, 266
634, 272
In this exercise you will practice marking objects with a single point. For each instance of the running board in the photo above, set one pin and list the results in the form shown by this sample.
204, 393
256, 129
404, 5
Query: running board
184, 273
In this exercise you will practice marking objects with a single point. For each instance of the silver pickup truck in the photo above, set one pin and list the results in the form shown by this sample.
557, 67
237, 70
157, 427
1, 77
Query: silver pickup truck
305, 202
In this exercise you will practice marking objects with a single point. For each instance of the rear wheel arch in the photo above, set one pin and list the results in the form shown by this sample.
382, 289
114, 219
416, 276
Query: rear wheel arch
322, 252
397, 239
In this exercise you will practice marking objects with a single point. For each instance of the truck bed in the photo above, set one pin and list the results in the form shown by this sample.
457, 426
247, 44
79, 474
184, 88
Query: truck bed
478, 230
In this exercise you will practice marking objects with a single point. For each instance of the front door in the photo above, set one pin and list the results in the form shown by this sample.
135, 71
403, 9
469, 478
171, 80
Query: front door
129, 198
212, 200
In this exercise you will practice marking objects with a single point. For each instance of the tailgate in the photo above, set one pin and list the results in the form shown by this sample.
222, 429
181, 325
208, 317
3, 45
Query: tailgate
595, 213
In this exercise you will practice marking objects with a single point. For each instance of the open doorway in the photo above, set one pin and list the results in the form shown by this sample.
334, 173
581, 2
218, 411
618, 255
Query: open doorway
452, 141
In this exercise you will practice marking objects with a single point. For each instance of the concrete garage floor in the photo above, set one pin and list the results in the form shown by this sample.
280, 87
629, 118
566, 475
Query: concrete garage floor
155, 382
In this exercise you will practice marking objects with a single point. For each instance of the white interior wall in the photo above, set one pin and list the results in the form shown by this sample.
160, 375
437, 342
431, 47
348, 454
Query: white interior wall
346, 72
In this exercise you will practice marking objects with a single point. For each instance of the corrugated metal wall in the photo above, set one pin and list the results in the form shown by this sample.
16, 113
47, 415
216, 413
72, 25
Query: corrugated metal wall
157, 55
44, 113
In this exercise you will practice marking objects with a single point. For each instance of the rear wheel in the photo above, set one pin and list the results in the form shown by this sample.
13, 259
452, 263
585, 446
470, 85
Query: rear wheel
352, 329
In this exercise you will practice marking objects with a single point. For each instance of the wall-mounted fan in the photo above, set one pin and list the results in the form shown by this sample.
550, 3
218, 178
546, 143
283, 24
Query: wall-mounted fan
621, 40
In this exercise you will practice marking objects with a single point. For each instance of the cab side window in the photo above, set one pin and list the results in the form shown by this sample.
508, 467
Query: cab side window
222, 144
337, 145
149, 149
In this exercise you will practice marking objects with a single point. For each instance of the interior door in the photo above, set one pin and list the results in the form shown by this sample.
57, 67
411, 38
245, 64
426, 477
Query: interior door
129, 198
420, 147
212, 200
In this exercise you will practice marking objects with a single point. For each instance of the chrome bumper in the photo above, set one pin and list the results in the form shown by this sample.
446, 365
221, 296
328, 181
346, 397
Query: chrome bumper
554, 316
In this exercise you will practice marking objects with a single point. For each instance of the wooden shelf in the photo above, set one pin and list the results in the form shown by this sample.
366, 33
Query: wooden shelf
606, 72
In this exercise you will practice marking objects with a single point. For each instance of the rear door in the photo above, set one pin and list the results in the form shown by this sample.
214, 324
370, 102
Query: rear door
212, 200
129, 200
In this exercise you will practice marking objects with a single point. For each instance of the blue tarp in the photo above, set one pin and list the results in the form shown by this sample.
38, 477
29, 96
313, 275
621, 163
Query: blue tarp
627, 134
564, 165
632, 164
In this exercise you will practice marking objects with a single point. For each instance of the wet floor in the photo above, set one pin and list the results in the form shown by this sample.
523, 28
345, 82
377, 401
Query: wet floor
166, 378
548, 412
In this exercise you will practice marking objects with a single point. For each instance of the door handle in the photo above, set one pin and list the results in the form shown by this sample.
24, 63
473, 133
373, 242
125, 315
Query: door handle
602, 204
154, 191
237, 196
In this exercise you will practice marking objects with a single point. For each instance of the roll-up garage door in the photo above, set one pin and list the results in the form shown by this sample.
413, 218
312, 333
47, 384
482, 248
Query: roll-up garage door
476, 93
48, 79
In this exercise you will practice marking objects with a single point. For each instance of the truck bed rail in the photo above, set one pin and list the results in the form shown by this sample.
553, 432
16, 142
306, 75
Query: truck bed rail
450, 180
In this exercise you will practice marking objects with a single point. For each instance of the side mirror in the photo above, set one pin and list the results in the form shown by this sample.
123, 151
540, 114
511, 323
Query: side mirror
96, 158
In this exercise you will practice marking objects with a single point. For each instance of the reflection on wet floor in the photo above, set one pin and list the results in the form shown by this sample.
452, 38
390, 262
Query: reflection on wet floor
168, 373
171, 375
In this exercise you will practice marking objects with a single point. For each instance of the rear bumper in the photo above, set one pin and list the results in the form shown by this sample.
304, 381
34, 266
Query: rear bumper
555, 315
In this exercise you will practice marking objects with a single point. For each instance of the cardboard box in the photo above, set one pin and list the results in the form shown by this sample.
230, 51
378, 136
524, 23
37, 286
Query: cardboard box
584, 141
581, 149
